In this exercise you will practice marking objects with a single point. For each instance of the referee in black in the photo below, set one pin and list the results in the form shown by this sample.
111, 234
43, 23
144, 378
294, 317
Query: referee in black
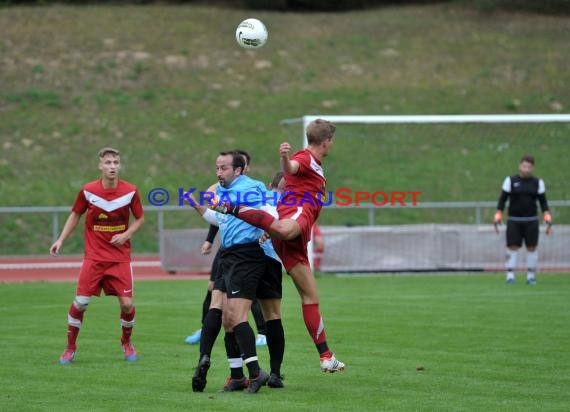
522, 224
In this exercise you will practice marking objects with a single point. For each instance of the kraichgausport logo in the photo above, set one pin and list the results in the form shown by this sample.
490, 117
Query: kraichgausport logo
340, 197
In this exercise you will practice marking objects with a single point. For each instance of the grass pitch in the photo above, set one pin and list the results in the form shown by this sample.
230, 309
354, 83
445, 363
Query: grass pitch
411, 343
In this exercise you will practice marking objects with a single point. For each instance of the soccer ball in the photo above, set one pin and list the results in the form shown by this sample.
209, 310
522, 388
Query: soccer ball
251, 34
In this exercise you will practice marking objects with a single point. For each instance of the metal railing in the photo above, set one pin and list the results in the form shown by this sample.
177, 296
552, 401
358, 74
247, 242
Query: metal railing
477, 207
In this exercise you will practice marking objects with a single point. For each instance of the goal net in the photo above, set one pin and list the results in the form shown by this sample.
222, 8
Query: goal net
414, 193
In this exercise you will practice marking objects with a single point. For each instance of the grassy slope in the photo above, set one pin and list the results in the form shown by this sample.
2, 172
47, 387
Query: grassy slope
169, 87
483, 346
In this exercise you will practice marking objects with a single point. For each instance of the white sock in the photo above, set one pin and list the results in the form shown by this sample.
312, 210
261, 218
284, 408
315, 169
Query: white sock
235, 362
531, 262
511, 263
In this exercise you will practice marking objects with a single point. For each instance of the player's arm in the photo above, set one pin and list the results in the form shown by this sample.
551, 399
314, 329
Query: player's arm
288, 166
121, 238
207, 245
213, 230
136, 209
498, 218
505, 192
70, 225
207, 214
547, 217
210, 194
542, 198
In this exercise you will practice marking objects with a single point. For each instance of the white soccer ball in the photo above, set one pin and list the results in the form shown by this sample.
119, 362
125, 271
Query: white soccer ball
251, 34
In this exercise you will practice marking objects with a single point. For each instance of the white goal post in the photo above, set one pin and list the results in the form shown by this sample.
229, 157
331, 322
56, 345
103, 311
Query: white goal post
406, 119
405, 262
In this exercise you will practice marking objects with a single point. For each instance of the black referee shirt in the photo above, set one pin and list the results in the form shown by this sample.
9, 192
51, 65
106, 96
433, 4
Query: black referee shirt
523, 193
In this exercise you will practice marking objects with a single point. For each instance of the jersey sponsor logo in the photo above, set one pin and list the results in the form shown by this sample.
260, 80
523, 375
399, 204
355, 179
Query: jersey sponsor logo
109, 220
108, 205
101, 228
516, 184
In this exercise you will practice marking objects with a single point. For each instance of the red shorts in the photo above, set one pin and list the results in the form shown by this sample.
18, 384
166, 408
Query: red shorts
114, 278
295, 251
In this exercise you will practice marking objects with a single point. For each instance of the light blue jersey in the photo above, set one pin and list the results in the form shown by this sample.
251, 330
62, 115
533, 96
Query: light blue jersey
235, 231
267, 246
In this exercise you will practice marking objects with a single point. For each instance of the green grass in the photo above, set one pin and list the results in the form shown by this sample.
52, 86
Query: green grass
483, 346
170, 88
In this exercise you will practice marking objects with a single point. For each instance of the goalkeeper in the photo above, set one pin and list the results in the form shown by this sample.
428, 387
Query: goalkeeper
523, 191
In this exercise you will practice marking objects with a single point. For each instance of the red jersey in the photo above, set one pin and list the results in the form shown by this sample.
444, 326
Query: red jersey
307, 186
108, 213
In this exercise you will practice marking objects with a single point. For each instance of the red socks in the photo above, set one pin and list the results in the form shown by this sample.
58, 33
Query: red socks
74, 321
127, 323
256, 217
314, 323
316, 328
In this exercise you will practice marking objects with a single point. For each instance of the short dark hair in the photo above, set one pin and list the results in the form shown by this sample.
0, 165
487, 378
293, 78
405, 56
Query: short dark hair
528, 158
244, 153
108, 150
276, 179
237, 159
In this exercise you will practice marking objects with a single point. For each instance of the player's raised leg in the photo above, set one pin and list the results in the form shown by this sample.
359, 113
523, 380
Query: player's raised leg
284, 228
254, 216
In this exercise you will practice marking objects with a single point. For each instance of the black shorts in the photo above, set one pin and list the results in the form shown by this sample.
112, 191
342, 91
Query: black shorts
517, 231
242, 266
215, 274
271, 283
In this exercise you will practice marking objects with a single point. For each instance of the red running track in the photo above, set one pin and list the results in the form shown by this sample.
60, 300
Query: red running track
66, 269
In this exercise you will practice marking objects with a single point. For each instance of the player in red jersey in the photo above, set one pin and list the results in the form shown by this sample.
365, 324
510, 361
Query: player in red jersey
298, 210
109, 203
318, 247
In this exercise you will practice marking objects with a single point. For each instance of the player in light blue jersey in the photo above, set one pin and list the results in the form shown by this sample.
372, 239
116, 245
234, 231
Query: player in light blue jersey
235, 231
242, 265
269, 295
213, 298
